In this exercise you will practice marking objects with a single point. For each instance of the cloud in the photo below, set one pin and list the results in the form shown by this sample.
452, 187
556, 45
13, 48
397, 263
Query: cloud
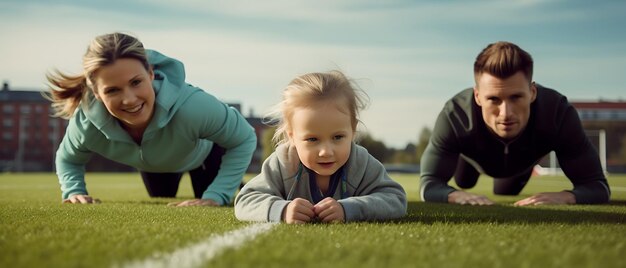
274, 10
399, 121
408, 56
375, 12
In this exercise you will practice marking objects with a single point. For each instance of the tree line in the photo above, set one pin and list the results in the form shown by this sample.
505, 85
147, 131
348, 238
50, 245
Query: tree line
410, 154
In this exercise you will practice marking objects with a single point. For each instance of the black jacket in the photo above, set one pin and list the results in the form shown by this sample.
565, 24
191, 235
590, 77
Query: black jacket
553, 126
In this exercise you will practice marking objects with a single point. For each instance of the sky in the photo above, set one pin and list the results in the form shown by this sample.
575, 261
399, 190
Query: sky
408, 56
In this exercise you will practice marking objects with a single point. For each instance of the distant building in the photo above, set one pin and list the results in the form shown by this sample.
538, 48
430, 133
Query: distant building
259, 129
609, 118
30, 136
602, 111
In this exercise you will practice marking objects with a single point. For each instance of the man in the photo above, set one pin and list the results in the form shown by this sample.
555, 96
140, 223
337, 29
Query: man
503, 127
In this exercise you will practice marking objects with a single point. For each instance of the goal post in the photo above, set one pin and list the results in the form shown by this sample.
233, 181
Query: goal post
597, 137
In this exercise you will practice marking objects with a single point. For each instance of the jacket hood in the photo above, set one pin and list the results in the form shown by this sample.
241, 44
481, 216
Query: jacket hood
290, 162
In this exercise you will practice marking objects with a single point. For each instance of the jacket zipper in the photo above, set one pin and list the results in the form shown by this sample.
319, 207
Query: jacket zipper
141, 155
506, 156
143, 160
506, 151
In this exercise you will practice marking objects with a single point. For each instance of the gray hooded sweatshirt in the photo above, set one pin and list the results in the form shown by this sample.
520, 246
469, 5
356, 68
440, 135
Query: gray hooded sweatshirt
372, 195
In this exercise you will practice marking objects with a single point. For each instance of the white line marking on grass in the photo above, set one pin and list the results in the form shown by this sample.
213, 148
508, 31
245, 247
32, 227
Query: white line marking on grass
197, 254
618, 189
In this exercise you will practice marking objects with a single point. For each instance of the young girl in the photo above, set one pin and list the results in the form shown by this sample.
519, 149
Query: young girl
133, 106
317, 173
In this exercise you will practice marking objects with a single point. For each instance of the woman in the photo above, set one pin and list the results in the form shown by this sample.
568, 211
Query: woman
133, 106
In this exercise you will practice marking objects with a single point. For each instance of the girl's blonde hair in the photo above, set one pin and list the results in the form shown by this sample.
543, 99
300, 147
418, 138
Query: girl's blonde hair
67, 91
308, 89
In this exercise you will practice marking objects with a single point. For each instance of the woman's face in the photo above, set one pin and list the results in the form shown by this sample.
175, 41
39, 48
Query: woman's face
125, 88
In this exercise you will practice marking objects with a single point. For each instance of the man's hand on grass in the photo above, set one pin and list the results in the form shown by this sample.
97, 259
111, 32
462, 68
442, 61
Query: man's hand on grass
550, 198
465, 198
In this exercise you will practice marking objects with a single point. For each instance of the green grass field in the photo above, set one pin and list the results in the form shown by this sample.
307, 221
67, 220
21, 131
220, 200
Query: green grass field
36, 230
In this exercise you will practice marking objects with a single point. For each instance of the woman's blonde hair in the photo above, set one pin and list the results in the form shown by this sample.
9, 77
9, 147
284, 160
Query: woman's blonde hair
67, 91
308, 89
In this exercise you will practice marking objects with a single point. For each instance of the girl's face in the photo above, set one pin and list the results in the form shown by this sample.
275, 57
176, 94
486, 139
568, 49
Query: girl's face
125, 88
322, 135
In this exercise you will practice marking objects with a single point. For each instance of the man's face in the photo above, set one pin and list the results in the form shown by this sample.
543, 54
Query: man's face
505, 103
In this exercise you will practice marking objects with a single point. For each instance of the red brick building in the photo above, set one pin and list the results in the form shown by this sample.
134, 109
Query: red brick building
30, 136
610, 118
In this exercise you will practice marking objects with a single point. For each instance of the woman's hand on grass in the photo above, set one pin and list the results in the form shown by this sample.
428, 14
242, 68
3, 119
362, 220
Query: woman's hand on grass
195, 202
81, 199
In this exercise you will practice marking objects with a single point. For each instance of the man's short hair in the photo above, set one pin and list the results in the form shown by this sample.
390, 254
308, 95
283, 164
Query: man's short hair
502, 60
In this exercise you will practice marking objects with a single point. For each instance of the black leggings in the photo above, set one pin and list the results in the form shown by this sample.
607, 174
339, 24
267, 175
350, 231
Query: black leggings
466, 177
166, 184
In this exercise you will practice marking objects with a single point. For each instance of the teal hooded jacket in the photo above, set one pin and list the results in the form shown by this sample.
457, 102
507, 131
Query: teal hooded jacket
187, 121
